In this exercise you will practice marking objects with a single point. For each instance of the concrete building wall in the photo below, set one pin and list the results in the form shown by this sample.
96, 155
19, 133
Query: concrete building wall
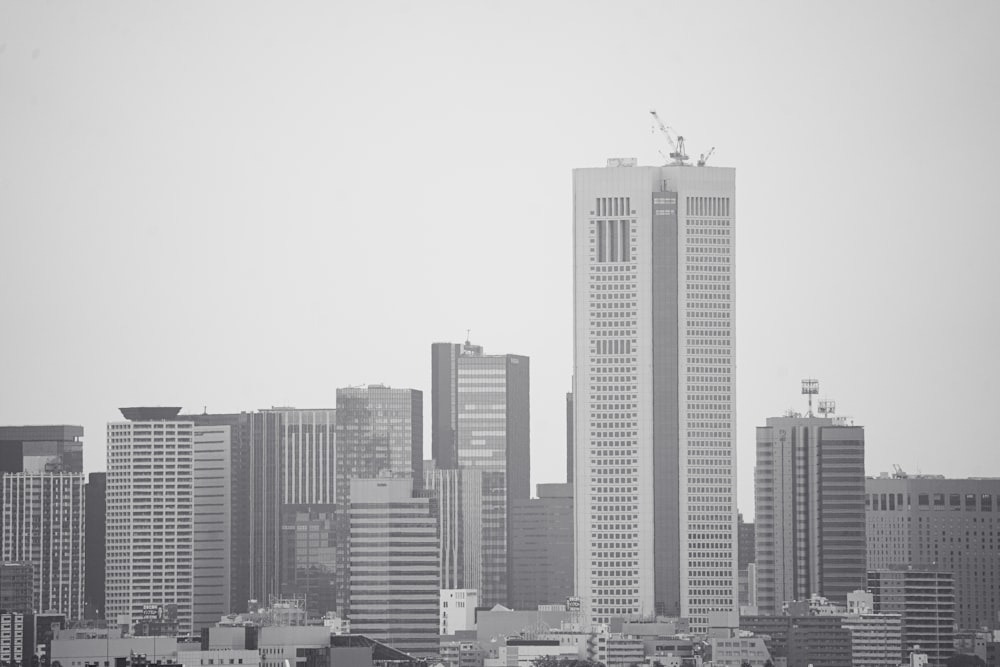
542, 548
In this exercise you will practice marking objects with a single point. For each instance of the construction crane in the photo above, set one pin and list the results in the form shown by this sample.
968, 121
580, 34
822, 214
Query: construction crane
900, 473
677, 153
704, 157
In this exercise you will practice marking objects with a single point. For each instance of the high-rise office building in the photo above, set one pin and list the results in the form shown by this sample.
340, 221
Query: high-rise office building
481, 419
168, 528
926, 602
810, 510
241, 491
394, 573
212, 520
542, 555
654, 390
309, 537
948, 525
42, 511
43, 524
459, 494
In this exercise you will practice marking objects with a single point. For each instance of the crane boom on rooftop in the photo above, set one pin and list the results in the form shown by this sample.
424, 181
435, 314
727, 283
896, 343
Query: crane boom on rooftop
677, 146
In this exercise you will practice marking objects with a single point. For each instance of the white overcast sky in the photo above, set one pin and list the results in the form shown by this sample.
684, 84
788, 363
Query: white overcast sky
239, 205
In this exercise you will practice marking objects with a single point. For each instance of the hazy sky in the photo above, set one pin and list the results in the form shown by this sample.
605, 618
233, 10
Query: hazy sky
238, 205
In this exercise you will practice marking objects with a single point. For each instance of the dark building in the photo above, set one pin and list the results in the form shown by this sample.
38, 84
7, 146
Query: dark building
926, 602
16, 587
745, 556
819, 641
810, 510
481, 413
542, 552
928, 522
41, 449
93, 591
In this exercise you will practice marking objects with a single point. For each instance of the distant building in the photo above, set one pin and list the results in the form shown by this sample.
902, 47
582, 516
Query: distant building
949, 525
43, 524
41, 449
17, 590
569, 437
739, 652
481, 417
820, 641
13, 633
542, 548
810, 510
394, 567
876, 639
746, 556
925, 600
42, 511
167, 499
96, 501
458, 610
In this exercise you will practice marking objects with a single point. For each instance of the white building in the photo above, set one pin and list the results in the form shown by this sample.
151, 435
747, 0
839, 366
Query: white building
458, 609
654, 391
168, 482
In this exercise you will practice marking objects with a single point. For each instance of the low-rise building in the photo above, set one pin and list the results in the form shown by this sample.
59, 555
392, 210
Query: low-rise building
739, 651
458, 609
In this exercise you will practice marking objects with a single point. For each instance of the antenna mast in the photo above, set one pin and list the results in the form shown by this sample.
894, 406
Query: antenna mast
810, 387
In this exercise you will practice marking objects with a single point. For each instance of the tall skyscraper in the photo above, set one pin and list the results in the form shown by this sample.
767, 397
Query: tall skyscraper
654, 390
43, 512
569, 437
168, 528
395, 574
309, 538
810, 510
482, 418
459, 494
950, 525
96, 495
150, 516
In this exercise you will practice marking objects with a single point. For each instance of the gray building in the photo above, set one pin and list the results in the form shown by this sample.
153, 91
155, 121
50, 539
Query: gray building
810, 510
394, 564
43, 524
746, 556
42, 511
947, 525
542, 552
96, 500
925, 601
481, 420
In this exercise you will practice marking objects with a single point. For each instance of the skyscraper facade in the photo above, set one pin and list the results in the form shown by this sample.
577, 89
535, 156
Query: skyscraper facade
394, 573
654, 390
459, 494
810, 510
949, 525
481, 412
150, 516
42, 511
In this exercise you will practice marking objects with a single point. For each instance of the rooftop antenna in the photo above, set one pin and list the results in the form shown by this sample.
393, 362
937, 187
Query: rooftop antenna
810, 387
468, 336
827, 407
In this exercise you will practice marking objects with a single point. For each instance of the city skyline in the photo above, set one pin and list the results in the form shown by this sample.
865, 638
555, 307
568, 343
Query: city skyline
104, 176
